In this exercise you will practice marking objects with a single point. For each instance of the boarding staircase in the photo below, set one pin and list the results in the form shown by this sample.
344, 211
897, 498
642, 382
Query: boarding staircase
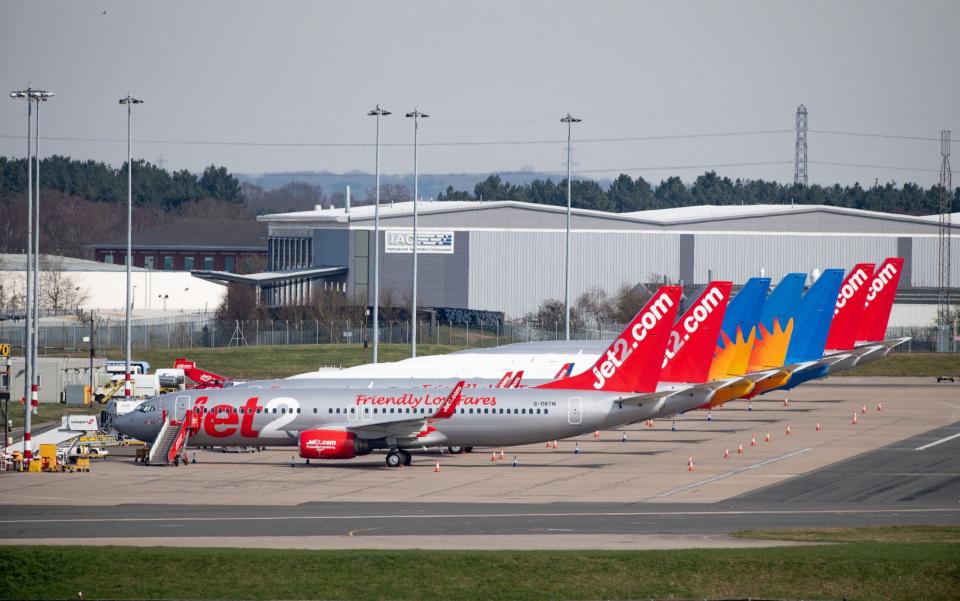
172, 439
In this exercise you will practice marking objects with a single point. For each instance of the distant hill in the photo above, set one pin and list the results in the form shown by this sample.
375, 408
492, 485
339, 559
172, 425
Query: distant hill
430, 184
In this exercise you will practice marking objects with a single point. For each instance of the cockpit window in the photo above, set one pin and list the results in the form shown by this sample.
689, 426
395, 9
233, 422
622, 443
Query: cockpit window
146, 408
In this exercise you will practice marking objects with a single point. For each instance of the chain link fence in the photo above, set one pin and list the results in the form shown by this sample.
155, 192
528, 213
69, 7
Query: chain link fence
195, 332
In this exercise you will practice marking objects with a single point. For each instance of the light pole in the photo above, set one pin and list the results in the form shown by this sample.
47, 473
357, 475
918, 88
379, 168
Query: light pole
28, 300
38, 97
164, 298
378, 112
416, 115
129, 101
569, 120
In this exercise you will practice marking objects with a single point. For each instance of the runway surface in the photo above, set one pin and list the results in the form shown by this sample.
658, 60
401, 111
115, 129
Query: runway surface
913, 481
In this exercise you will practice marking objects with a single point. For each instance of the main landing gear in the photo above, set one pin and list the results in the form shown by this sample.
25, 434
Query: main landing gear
398, 457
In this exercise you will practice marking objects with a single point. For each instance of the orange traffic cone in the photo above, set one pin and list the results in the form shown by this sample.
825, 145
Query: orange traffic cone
596, 434
649, 423
501, 455
690, 464
493, 456
788, 430
436, 467
739, 448
548, 444
864, 409
879, 406
554, 444
726, 453
786, 402
818, 426
854, 418
753, 441
766, 438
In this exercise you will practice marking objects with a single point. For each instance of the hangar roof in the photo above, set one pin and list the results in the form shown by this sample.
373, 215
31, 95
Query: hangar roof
12, 262
656, 218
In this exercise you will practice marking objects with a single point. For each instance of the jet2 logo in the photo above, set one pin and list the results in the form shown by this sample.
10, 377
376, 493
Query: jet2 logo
880, 281
691, 323
850, 287
621, 349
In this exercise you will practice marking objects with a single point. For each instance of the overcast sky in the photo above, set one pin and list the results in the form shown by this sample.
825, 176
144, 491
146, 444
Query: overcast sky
300, 76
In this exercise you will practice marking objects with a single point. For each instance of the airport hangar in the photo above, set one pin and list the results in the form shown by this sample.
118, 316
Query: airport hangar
508, 256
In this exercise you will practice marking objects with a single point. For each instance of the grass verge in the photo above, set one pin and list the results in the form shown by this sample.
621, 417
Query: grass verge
48, 412
866, 534
909, 364
887, 571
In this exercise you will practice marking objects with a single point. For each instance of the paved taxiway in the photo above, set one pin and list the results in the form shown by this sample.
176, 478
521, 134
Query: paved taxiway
618, 494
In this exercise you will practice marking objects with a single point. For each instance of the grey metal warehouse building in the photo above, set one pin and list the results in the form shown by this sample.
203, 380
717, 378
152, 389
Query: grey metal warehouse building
508, 256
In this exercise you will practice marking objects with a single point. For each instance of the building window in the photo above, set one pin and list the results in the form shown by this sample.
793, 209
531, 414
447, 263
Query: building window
150, 262
168, 262
208, 262
228, 263
188, 263
108, 258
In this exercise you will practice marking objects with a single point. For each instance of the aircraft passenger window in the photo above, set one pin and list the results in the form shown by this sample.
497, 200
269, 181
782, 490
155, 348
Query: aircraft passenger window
283, 410
258, 410
366, 409
374, 409
274, 409
298, 409
471, 410
486, 410
546, 411
462, 410
352, 410
523, 411
538, 412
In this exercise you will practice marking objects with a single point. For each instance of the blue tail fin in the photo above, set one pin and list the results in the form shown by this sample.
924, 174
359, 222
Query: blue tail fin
738, 330
813, 318
776, 323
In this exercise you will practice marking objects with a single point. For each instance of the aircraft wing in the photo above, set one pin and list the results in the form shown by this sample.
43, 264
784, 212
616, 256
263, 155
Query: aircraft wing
400, 429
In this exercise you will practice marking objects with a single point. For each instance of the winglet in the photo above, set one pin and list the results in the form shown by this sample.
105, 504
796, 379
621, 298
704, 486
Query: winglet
449, 406
879, 303
633, 362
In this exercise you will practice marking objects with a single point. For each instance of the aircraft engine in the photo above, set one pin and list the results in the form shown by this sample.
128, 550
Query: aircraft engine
331, 444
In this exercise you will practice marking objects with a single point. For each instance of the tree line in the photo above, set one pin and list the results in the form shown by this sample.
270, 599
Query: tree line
626, 194
100, 182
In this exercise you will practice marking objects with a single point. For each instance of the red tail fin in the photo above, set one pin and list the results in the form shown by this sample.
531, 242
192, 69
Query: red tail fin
515, 382
505, 380
693, 338
449, 406
564, 371
848, 312
633, 361
879, 303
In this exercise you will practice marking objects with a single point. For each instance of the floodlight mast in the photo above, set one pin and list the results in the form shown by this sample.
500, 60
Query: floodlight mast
128, 101
37, 96
416, 115
377, 112
569, 120
28, 297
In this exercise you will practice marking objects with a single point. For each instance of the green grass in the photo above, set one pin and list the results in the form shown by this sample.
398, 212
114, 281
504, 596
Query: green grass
910, 364
889, 571
867, 534
282, 360
49, 412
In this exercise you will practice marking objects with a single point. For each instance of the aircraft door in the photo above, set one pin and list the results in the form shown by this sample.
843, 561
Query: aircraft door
181, 406
574, 410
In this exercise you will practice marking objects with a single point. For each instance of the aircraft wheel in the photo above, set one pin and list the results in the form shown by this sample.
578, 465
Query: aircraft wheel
407, 457
454, 450
176, 461
394, 459
467, 449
